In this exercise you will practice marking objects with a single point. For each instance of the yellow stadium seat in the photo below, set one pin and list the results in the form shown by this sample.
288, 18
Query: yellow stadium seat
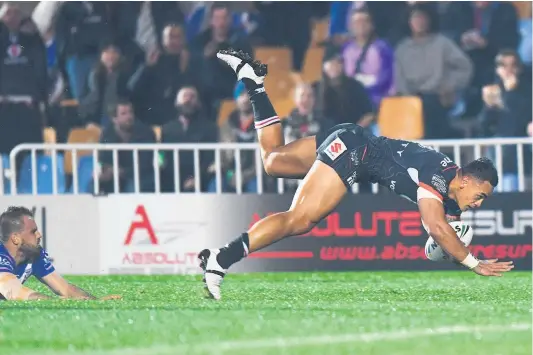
312, 67
157, 132
49, 135
320, 32
279, 85
225, 110
284, 107
80, 135
401, 118
277, 58
69, 103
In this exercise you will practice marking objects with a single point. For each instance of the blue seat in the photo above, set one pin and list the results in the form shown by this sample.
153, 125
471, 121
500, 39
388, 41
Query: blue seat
7, 182
85, 174
44, 175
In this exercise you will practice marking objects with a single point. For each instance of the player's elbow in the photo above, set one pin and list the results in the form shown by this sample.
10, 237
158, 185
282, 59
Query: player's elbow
270, 164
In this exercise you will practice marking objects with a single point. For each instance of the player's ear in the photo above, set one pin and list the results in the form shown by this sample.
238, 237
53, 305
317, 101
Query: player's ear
464, 181
16, 238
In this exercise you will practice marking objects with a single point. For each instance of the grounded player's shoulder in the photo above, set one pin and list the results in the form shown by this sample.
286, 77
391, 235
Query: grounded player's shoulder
43, 265
7, 264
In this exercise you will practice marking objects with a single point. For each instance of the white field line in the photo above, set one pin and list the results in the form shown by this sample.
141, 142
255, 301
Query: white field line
291, 342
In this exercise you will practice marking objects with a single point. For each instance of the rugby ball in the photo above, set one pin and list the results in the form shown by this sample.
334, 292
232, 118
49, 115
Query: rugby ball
435, 253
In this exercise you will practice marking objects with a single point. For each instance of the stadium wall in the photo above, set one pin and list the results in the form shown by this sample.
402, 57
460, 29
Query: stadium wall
161, 234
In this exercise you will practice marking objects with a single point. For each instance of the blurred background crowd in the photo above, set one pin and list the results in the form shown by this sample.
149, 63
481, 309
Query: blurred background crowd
147, 72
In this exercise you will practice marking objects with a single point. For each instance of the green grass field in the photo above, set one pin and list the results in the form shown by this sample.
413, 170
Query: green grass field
437, 313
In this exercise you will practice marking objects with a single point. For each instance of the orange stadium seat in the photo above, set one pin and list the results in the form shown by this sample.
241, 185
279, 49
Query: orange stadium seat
401, 118
523, 8
277, 58
69, 103
80, 135
312, 67
279, 85
320, 31
284, 107
225, 110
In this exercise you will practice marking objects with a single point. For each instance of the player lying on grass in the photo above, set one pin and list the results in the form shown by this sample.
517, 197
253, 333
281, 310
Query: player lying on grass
332, 162
22, 256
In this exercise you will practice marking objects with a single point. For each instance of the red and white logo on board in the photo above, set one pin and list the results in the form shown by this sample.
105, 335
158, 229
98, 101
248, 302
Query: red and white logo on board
141, 222
335, 148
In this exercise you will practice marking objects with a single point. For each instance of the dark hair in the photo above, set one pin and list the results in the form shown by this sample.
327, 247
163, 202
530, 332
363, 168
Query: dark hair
482, 169
112, 109
11, 221
508, 53
361, 10
428, 12
365, 11
219, 5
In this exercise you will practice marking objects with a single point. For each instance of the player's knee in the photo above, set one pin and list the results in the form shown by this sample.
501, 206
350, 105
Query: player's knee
300, 223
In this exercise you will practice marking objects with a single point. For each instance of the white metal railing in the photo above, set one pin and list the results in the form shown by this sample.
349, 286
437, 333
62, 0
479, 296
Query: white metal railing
461, 150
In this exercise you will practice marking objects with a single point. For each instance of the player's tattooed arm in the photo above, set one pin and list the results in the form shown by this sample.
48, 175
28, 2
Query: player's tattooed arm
38, 296
12, 289
76, 292
63, 288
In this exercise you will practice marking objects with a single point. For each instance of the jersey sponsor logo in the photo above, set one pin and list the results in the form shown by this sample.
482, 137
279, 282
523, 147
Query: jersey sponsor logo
439, 183
14, 50
4, 262
392, 185
335, 149
445, 162
354, 158
15, 55
352, 178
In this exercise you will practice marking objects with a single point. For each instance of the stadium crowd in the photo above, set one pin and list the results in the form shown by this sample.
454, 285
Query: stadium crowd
147, 72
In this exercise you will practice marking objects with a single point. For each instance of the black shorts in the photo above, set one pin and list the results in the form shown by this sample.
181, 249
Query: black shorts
345, 149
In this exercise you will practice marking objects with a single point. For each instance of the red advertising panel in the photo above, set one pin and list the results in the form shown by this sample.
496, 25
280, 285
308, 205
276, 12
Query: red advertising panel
384, 232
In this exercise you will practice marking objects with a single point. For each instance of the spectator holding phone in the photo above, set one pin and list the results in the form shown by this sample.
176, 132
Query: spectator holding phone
507, 111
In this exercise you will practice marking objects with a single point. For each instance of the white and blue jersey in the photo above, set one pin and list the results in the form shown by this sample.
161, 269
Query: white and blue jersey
40, 268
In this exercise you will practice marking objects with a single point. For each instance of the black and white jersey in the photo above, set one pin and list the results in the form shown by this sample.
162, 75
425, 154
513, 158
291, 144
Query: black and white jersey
409, 169
416, 171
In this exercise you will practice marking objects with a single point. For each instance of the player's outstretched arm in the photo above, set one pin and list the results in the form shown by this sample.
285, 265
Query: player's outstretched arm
63, 288
432, 213
12, 289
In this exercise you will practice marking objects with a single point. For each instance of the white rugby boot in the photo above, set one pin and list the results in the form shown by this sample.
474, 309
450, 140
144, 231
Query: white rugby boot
213, 272
244, 66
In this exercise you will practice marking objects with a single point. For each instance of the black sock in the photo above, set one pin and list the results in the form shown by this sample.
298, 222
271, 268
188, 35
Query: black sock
234, 251
264, 113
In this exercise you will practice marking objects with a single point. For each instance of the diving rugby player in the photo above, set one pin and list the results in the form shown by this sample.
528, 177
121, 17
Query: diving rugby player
22, 256
332, 162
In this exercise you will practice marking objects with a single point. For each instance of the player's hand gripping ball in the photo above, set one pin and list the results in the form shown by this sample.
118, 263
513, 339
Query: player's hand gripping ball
435, 253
